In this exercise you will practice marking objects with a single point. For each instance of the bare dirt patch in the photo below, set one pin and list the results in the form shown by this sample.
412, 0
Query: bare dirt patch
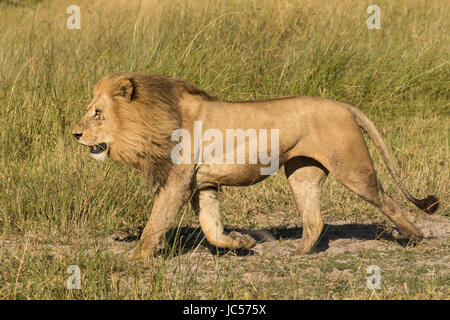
338, 237
188, 263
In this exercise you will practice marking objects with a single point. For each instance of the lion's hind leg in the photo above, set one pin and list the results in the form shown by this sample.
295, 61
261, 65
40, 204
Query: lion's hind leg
353, 167
306, 177
369, 188
207, 206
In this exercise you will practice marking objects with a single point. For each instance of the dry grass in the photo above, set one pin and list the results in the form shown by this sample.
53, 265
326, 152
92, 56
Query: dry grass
58, 207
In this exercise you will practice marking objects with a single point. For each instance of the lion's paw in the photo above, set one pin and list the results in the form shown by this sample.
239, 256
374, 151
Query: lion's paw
139, 254
245, 241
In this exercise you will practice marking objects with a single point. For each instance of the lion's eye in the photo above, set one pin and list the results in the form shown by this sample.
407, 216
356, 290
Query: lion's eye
97, 114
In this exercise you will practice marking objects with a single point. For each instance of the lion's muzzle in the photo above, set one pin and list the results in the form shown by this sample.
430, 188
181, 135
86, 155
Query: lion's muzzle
97, 149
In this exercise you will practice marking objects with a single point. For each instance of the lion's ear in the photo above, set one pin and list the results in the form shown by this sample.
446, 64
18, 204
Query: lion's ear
124, 89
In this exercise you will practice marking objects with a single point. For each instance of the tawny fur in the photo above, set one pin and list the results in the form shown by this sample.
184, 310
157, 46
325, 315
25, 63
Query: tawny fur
144, 120
136, 114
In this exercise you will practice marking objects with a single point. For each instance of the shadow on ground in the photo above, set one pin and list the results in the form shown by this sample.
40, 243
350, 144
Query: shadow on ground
186, 239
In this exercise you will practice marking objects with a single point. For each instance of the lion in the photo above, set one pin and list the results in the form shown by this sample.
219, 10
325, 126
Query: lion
132, 119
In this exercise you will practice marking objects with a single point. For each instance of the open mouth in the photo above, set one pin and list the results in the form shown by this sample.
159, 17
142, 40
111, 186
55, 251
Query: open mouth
98, 148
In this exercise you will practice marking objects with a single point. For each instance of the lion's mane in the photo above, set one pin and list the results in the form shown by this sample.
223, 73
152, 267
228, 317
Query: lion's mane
146, 122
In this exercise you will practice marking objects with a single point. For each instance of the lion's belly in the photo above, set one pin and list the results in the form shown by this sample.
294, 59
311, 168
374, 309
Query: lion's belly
228, 175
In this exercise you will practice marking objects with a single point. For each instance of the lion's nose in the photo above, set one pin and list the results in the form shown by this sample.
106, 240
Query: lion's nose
77, 135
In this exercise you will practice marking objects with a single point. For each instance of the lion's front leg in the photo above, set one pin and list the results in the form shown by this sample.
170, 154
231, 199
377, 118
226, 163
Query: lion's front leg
211, 224
166, 206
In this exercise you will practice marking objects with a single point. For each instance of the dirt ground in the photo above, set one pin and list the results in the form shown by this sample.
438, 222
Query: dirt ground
338, 237
335, 270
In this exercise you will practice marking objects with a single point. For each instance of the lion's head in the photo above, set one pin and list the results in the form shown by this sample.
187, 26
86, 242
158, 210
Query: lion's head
131, 119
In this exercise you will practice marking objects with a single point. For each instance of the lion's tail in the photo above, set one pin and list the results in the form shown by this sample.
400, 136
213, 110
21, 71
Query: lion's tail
431, 203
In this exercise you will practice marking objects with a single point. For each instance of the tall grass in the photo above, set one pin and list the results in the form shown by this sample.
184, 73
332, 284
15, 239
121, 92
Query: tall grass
233, 49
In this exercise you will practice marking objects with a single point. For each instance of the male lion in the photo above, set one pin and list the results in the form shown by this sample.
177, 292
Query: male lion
132, 118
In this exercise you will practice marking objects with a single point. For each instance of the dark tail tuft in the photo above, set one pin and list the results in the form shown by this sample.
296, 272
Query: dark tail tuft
430, 204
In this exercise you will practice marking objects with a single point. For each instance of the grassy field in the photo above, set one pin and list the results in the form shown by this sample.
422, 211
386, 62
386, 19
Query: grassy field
58, 207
